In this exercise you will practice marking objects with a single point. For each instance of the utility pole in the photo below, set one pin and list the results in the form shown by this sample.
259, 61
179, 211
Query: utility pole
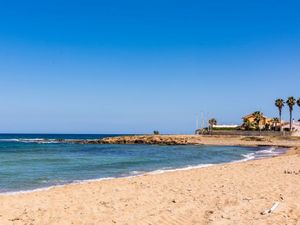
202, 115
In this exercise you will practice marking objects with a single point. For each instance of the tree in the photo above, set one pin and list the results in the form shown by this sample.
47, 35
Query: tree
156, 132
275, 122
291, 102
257, 118
279, 103
248, 125
211, 123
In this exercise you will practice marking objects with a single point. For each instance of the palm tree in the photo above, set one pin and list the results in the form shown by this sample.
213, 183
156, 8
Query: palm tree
279, 103
291, 102
275, 121
257, 118
247, 125
211, 123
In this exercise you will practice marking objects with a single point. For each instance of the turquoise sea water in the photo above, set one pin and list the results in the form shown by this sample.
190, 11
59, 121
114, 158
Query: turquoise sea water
32, 161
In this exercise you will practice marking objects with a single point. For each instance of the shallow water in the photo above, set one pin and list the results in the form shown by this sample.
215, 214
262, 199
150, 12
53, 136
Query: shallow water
28, 162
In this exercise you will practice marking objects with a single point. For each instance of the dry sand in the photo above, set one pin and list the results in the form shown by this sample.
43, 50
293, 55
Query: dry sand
234, 193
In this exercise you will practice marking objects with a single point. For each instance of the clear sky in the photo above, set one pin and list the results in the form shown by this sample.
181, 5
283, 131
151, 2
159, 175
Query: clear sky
137, 66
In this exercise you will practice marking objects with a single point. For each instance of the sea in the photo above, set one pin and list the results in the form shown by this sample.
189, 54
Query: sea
31, 162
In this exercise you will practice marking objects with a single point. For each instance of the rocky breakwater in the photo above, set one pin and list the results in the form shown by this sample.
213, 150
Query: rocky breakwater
134, 139
153, 139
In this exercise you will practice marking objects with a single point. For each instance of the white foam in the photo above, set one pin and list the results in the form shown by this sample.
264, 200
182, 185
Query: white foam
136, 172
249, 156
29, 140
38, 140
264, 153
30, 191
55, 186
181, 169
32, 140
9, 140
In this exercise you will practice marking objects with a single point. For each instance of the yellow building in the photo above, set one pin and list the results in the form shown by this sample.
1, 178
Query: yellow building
263, 121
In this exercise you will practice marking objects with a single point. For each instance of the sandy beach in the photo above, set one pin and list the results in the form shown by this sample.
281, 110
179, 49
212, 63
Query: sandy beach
149, 112
235, 193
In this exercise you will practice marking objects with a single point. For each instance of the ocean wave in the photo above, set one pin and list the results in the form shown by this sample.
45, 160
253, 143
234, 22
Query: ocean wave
189, 167
137, 172
31, 140
58, 185
264, 153
247, 157
9, 140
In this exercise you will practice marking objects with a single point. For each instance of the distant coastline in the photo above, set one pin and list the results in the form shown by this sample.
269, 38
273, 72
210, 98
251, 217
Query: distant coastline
218, 140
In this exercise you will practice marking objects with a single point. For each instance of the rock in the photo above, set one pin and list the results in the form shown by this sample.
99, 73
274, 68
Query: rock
139, 139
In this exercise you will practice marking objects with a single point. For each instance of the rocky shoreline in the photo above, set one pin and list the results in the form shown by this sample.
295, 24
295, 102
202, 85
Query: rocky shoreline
154, 139
136, 139
194, 140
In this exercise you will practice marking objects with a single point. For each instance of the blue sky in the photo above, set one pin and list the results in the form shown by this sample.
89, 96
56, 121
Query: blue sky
138, 66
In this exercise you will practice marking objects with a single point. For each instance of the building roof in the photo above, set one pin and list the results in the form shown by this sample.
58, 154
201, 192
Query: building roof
251, 115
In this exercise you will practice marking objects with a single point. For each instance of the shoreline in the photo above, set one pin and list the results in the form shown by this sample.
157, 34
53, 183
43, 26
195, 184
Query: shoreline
174, 139
217, 140
154, 172
226, 193
222, 194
